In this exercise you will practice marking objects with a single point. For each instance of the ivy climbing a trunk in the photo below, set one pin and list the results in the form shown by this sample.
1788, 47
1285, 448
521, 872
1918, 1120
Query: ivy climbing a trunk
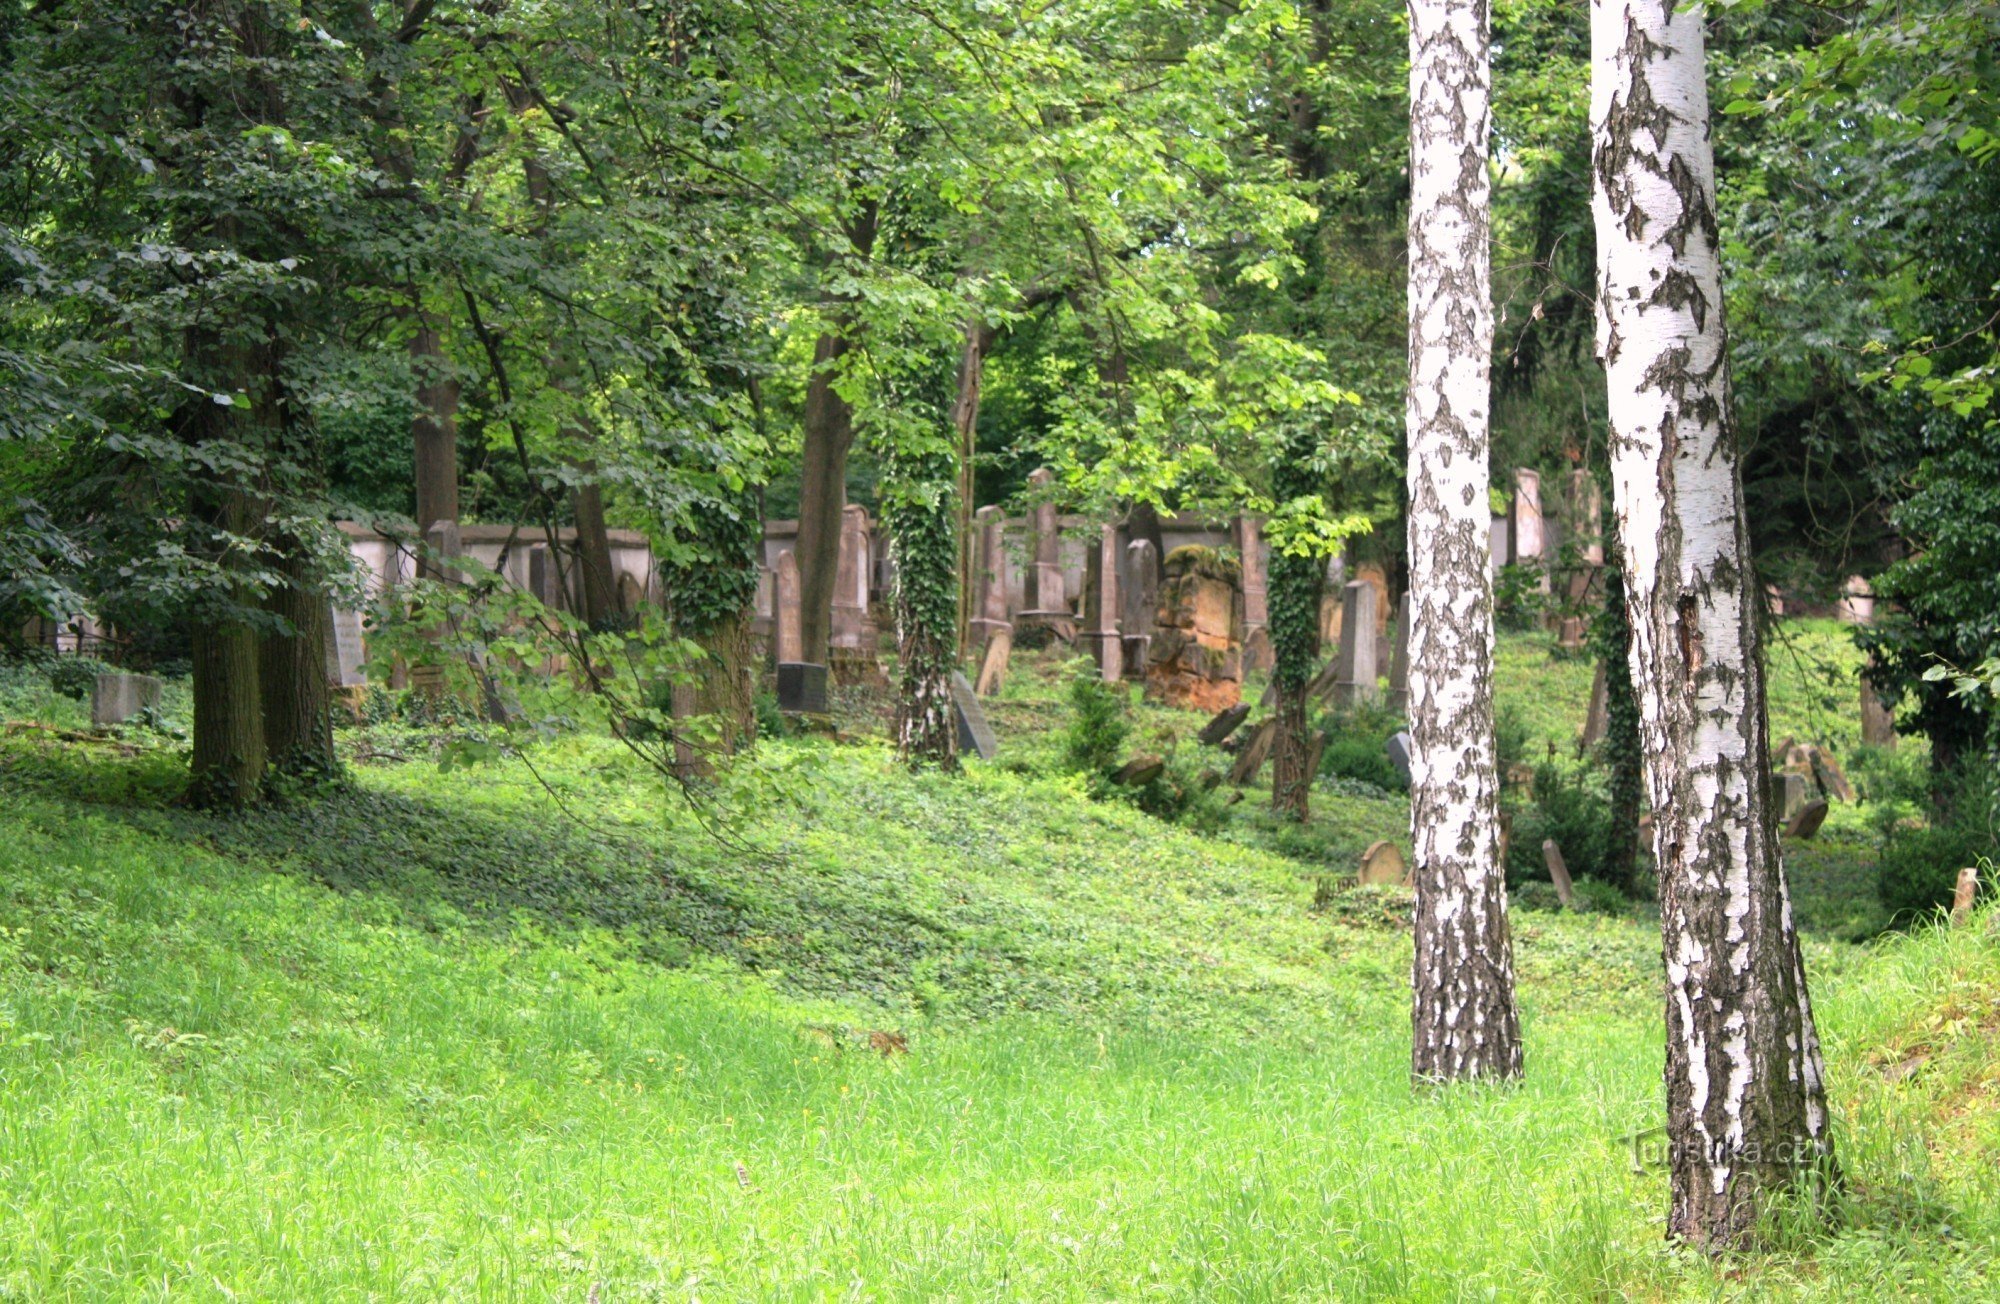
1746, 1101
1297, 579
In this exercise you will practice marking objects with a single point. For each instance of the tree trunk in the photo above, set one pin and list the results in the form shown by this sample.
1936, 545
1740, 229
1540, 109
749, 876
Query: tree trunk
1464, 1020
291, 667
1296, 582
434, 427
1746, 1105
921, 514
226, 768
724, 690
828, 434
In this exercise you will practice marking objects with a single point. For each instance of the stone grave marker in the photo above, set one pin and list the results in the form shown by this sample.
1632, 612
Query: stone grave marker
1792, 794
1225, 722
850, 584
989, 599
1382, 864
1552, 856
1354, 679
1878, 723
975, 735
790, 644
1805, 825
1045, 596
1597, 719
344, 653
1828, 775
802, 687
1247, 534
1138, 604
993, 662
1963, 894
1398, 748
116, 697
1256, 749
1099, 635
1139, 771
1399, 659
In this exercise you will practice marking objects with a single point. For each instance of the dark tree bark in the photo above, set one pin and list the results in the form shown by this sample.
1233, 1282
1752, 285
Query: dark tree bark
291, 664
1295, 586
1464, 1021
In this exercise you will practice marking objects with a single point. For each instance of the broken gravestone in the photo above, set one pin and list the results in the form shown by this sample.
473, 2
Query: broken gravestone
1139, 771
1804, 825
1383, 864
1793, 794
1256, 747
1224, 724
993, 662
116, 698
974, 734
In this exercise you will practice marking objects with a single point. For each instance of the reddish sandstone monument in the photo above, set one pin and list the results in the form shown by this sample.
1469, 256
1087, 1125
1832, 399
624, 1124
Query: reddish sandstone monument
1196, 656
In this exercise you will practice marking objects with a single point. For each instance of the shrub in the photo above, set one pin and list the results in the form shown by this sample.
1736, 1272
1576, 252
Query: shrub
1571, 807
1183, 793
1918, 869
1361, 758
74, 677
1099, 722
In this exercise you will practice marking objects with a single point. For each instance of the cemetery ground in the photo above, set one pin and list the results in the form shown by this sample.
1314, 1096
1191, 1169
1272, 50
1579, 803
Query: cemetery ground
486, 1033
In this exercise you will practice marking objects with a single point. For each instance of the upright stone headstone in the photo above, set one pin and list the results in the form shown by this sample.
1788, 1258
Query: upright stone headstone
344, 653
543, 578
790, 646
1597, 717
116, 697
1399, 659
1963, 894
1398, 750
1247, 536
1793, 793
1857, 601
1878, 723
1382, 865
442, 542
1498, 541
850, 583
975, 735
993, 661
1047, 597
802, 687
989, 604
1139, 604
1552, 856
1354, 681
1099, 634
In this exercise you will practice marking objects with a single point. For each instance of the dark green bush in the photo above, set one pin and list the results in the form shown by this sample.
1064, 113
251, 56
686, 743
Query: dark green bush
1918, 869
1099, 721
73, 677
1570, 806
1361, 757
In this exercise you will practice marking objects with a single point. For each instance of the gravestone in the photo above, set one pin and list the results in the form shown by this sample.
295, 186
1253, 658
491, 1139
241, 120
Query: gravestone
975, 735
993, 662
1857, 601
1197, 650
1805, 824
1334, 580
1399, 660
1878, 724
1224, 724
1354, 681
1247, 535
442, 542
989, 600
1597, 719
1963, 894
1045, 596
1139, 771
1099, 635
1829, 776
344, 652
1552, 856
1792, 794
1524, 522
850, 585
1398, 749
790, 646
1256, 750
802, 687
1497, 540
116, 697
1139, 603
1382, 865
544, 581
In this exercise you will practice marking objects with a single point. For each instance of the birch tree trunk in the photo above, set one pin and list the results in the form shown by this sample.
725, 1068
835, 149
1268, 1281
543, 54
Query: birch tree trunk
1746, 1104
1464, 1020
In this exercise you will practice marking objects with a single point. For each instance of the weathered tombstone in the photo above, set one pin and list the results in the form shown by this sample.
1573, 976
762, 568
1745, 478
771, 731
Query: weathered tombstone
1524, 522
1857, 601
1383, 865
1597, 719
989, 600
1247, 534
1099, 634
1804, 825
1139, 771
1139, 602
1197, 649
975, 735
1826, 772
1329, 601
1355, 680
1793, 794
993, 661
850, 584
1963, 894
1046, 597
1399, 659
1878, 723
1398, 749
1224, 724
1552, 856
442, 542
116, 697
543, 579
802, 687
344, 653
1498, 540
1582, 521
790, 647
1256, 750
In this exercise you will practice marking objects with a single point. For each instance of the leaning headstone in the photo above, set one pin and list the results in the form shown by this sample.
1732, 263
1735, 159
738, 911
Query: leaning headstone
1398, 748
1804, 825
975, 735
1399, 659
344, 653
116, 698
1552, 856
790, 617
1382, 864
1139, 771
1138, 604
1831, 778
1099, 634
1224, 724
1793, 794
1354, 682
993, 662
802, 687
1597, 719
1256, 749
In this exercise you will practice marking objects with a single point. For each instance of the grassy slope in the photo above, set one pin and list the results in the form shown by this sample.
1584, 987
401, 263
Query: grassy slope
420, 1042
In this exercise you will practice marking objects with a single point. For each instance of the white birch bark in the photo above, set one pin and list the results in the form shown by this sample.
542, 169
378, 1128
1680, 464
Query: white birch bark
1463, 1016
1746, 1108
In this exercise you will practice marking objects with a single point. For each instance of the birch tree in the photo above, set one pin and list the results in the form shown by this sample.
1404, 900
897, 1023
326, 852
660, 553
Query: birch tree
1465, 1024
1746, 1103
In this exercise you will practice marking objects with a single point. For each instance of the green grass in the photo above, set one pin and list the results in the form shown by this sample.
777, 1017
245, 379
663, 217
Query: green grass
432, 1038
